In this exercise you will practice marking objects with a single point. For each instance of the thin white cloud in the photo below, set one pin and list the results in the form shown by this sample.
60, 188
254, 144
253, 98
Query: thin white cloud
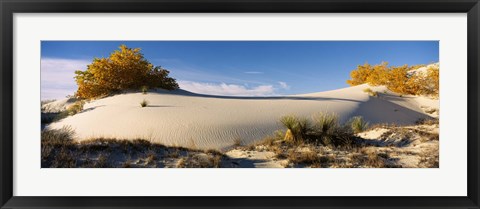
284, 85
226, 89
57, 76
253, 72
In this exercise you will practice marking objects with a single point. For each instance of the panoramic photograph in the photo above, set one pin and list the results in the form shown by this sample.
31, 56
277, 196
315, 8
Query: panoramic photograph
240, 104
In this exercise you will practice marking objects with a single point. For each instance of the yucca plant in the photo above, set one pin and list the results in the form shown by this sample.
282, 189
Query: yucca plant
297, 128
325, 123
290, 122
358, 124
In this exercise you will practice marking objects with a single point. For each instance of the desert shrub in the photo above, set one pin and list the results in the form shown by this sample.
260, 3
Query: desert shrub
397, 78
124, 69
75, 108
378, 74
358, 124
360, 75
144, 103
370, 92
433, 81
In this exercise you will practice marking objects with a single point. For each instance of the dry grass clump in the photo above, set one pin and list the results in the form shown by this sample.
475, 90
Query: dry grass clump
307, 157
427, 121
358, 124
429, 159
200, 161
370, 158
75, 108
370, 92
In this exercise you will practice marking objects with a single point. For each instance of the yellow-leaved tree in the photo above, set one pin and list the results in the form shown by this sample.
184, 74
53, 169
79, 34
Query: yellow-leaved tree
378, 75
400, 79
360, 75
124, 69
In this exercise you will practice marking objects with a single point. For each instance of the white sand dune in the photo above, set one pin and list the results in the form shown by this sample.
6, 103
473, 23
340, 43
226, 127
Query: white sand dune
187, 119
58, 105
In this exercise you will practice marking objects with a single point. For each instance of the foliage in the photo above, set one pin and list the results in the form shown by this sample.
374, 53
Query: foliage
75, 108
399, 79
124, 69
324, 129
325, 123
370, 92
378, 75
297, 128
358, 124
360, 75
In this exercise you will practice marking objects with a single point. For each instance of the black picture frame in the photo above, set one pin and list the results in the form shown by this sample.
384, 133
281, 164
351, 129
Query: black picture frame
9, 7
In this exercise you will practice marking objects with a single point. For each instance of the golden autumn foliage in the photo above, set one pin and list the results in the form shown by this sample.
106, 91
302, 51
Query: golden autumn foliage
124, 69
398, 79
360, 75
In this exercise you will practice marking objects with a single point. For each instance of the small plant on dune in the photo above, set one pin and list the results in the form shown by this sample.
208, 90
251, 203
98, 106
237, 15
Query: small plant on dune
328, 131
290, 122
144, 89
144, 103
358, 124
370, 92
325, 123
75, 108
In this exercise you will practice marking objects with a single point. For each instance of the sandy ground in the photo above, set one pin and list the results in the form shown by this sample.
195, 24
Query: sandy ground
406, 147
182, 118
58, 105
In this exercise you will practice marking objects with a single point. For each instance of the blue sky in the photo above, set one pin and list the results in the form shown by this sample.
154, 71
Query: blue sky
237, 68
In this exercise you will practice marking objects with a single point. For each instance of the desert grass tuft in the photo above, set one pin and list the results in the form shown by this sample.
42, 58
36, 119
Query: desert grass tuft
75, 108
358, 124
297, 128
325, 123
